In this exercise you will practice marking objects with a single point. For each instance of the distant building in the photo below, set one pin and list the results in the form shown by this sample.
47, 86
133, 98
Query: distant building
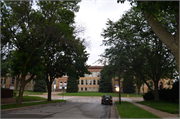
87, 83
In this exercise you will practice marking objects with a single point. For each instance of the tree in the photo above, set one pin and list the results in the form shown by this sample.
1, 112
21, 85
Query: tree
28, 30
72, 86
128, 85
140, 49
40, 86
105, 84
77, 66
156, 12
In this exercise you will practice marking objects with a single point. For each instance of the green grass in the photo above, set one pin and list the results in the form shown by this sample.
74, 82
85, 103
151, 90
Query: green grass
8, 106
100, 94
30, 92
129, 110
162, 105
30, 98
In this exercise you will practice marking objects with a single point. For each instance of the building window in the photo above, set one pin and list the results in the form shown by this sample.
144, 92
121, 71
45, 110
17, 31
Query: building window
12, 87
81, 82
90, 75
65, 85
86, 75
94, 89
89, 89
90, 82
94, 74
85, 89
86, 82
54, 81
12, 80
98, 82
60, 85
4, 86
98, 74
28, 88
94, 82
98, 89
31, 88
4, 81
1, 81
81, 89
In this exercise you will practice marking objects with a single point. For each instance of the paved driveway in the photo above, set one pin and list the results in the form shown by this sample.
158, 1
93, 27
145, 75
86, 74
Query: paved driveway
75, 107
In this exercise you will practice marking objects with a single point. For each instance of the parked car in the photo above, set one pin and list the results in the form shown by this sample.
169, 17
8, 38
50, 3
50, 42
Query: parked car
106, 99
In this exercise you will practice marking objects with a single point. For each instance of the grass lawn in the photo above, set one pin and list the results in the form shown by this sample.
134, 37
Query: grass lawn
30, 98
8, 106
100, 94
29, 92
162, 105
129, 110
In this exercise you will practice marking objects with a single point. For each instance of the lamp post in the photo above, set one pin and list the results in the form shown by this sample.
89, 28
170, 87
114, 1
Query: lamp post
119, 77
118, 73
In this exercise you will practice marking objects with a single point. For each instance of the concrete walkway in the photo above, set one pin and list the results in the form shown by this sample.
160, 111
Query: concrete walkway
157, 112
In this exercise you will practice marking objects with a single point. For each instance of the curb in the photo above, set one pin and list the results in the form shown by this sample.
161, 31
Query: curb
117, 111
27, 107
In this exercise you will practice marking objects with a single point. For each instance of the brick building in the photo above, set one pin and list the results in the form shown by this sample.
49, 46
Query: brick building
86, 83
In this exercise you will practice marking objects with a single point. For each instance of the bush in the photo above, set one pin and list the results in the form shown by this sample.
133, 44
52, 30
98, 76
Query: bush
165, 94
14, 93
40, 86
148, 96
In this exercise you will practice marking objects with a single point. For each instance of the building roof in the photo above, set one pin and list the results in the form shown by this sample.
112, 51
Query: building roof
95, 67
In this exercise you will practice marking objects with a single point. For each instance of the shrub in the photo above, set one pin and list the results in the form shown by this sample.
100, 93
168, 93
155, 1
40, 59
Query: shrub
40, 86
148, 96
14, 94
164, 94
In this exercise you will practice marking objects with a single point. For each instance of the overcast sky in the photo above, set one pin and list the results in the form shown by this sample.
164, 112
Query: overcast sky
93, 15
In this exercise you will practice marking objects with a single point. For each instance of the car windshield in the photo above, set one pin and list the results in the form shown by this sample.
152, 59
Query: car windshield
107, 96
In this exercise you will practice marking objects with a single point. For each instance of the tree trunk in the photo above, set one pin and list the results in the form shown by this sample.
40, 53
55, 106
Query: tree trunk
138, 90
20, 96
49, 92
156, 91
171, 41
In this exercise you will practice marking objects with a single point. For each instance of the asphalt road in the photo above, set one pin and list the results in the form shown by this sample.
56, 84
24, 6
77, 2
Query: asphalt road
77, 107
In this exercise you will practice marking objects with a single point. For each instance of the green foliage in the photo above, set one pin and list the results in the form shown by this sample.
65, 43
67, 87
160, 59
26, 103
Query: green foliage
39, 37
141, 52
105, 84
128, 84
165, 94
40, 86
148, 96
14, 93
72, 85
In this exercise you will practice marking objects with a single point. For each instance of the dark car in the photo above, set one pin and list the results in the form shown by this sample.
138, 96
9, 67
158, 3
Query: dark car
106, 99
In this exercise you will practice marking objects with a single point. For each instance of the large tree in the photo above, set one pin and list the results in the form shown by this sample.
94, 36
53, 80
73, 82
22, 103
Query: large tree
105, 82
28, 30
158, 12
140, 49
77, 66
